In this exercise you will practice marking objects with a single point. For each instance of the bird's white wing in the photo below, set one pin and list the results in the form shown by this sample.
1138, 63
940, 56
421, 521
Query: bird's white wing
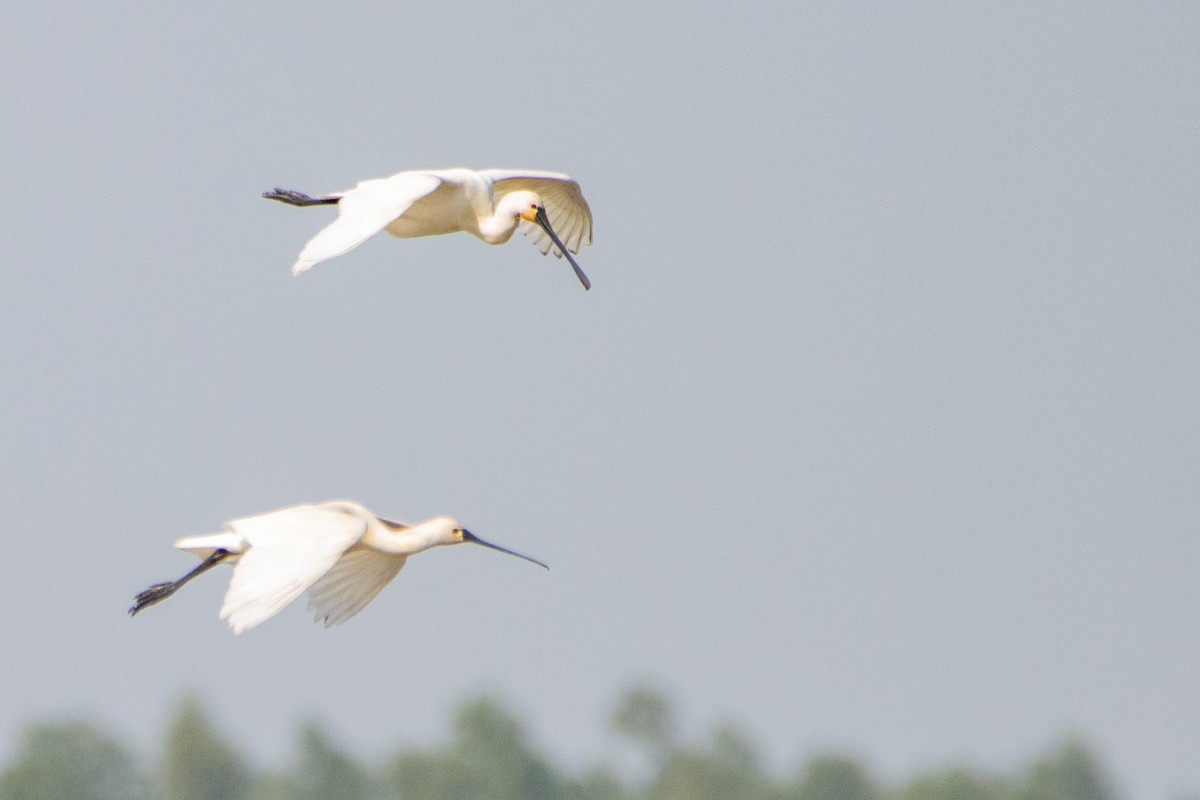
289, 550
568, 211
363, 212
351, 584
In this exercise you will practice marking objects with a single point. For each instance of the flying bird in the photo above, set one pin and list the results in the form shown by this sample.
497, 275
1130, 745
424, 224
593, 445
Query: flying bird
489, 204
337, 550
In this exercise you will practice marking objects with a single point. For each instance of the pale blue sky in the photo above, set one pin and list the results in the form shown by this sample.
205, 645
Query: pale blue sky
878, 430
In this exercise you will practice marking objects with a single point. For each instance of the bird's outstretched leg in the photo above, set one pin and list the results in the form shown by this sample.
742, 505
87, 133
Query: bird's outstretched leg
294, 198
161, 591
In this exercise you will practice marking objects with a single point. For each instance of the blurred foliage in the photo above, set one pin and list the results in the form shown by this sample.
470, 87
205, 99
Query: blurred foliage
326, 773
644, 716
198, 763
1070, 774
321, 772
958, 784
71, 762
728, 767
489, 757
836, 778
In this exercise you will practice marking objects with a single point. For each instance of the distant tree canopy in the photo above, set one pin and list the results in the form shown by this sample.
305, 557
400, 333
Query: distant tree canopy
1071, 774
836, 778
489, 757
958, 784
71, 762
198, 763
645, 717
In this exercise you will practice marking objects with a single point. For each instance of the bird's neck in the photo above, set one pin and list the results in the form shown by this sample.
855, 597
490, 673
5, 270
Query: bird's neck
497, 228
404, 541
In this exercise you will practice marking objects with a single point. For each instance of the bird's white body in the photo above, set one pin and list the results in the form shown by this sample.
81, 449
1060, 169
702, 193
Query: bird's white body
484, 203
338, 551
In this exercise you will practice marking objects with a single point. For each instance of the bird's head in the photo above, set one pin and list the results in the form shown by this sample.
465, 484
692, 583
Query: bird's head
524, 205
528, 206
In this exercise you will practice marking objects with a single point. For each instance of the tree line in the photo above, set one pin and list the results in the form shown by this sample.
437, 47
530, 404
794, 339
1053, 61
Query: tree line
489, 757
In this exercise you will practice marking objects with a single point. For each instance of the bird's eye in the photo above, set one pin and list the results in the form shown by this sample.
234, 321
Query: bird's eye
533, 206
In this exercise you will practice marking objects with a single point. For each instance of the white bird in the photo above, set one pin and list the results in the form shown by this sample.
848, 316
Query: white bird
489, 204
337, 550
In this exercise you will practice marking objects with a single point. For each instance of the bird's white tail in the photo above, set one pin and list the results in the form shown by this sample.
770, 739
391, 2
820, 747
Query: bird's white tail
206, 543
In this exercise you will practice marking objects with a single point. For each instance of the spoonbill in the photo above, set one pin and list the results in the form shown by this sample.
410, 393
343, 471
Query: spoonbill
337, 550
489, 204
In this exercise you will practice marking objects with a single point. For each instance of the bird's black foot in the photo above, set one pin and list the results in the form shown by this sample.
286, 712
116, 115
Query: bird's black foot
161, 591
294, 198
155, 594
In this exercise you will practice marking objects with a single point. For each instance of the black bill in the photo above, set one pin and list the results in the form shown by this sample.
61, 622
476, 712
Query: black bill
470, 537
544, 222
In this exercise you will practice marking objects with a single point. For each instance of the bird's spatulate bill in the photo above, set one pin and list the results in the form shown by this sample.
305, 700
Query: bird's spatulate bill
544, 222
470, 537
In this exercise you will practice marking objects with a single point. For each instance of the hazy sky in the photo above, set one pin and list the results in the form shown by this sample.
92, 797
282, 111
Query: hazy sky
878, 431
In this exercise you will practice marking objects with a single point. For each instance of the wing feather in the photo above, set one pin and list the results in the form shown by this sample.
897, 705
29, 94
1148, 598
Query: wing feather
363, 212
352, 583
289, 550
